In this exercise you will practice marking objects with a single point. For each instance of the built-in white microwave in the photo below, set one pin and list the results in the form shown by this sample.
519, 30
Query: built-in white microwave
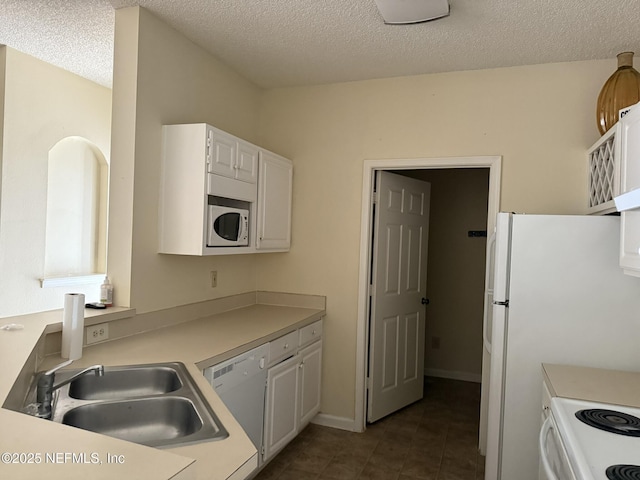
227, 226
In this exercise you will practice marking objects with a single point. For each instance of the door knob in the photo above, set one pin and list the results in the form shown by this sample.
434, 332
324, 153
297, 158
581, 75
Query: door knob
425, 301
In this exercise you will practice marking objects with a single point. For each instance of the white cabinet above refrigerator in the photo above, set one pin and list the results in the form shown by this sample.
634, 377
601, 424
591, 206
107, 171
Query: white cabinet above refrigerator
628, 202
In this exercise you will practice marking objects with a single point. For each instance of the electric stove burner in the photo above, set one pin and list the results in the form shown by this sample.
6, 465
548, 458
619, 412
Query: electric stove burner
623, 472
611, 421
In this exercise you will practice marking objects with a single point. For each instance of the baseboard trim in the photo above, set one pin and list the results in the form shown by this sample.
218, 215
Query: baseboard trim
342, 423
453, 375
349, 424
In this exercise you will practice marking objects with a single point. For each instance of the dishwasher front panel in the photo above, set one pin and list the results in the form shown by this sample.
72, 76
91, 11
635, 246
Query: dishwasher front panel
240, 382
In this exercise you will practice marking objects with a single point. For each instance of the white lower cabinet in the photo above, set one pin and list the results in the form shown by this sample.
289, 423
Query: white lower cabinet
282, 406
293, 389
309, 379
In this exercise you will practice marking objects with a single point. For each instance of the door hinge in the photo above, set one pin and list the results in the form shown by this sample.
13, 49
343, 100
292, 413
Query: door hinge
368, 383
374, 197
262, 450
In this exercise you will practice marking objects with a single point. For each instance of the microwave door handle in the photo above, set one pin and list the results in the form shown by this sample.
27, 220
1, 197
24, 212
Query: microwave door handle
243, 228
210, 232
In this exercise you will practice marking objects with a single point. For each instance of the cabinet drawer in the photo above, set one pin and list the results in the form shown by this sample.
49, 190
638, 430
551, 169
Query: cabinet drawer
283, 347
310, 333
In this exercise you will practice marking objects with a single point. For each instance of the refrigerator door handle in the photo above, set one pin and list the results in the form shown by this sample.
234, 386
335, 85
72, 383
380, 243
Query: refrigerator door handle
485, 339
488, 294
502, 304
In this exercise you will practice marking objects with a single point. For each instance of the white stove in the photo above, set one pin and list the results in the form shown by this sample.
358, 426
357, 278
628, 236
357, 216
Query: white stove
591, 451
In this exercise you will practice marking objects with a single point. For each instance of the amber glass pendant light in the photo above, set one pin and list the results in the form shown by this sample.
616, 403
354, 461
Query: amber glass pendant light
619, 91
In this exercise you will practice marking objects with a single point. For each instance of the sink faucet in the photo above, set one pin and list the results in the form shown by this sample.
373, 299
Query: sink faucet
45, 387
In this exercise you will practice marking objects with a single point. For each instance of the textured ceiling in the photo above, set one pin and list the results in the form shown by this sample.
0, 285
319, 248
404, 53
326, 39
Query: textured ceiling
277, 43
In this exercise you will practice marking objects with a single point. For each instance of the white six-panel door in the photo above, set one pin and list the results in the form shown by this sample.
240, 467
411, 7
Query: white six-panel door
397, 323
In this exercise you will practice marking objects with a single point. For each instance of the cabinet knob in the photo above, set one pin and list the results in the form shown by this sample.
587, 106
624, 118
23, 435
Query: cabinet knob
286, 345
313, 332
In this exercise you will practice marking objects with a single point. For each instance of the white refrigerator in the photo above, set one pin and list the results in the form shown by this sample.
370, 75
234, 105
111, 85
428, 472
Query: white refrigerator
559, 296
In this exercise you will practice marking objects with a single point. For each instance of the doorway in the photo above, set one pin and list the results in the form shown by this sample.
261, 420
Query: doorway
398, 293
370, 168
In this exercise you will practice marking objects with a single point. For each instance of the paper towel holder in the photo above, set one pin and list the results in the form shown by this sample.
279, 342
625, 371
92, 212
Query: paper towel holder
72, 326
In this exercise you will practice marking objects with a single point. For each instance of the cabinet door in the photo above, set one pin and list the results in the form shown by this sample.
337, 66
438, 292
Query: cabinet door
630, 242
281, 408
222, 153
630, 150
275, 182
310, 375
247, 162
604, 172
630, 180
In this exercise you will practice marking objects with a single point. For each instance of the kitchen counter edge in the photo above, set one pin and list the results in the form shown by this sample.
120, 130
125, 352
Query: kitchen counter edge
615, 387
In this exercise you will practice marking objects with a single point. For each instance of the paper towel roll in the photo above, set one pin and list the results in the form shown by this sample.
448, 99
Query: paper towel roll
72, 326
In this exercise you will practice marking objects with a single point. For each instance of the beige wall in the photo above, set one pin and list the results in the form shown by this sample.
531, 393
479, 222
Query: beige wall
540, 119
160, 77
455, 272
42, 105
3, 64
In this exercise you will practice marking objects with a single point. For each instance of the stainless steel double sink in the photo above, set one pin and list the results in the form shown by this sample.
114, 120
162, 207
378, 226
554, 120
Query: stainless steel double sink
157, 405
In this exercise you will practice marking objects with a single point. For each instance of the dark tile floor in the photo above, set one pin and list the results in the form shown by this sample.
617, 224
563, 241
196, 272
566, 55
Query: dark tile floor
433, 439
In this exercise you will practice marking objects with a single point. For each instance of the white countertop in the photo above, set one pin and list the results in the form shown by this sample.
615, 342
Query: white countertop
50, 447
593, 384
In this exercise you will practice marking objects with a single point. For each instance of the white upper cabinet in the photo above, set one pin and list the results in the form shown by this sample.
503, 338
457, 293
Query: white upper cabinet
231, 157
630, 152
629, 200
183, 190
247, 162
274, 202
202, 165
221, 152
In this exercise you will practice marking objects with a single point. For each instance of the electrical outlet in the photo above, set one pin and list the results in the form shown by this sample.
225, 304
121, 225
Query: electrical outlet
435, 343
214, 278
97, 333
